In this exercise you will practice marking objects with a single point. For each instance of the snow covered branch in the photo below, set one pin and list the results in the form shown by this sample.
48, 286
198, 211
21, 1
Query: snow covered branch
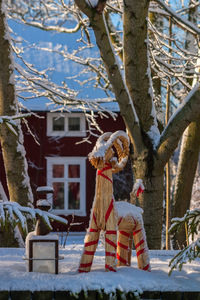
188, 111
51, 16
15, 214
172, 13
114, 74
192, 251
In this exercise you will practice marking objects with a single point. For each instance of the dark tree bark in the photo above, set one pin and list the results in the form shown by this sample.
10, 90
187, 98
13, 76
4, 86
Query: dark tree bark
12, 145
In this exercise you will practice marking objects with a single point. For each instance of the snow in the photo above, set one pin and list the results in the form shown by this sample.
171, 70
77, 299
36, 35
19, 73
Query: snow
183, 21
92, 3
138, 185
127, 209
44, 237
14, 276
39, 105
184, 102
16, 212
45, 189
43, 202
105, 141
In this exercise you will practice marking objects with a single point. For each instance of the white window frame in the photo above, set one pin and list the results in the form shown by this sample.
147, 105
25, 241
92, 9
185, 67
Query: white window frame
66, 132
68, 161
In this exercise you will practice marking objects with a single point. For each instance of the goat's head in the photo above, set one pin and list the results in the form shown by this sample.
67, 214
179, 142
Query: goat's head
106, 147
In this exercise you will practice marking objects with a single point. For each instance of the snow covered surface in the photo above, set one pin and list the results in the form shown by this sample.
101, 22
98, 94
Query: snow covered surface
105, 141
127, 209
44, 237
38, 105
14, 276
43, 202
44, 189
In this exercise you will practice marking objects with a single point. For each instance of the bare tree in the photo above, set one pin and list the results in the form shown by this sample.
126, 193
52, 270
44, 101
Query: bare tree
190, 146
129, 79
11, 137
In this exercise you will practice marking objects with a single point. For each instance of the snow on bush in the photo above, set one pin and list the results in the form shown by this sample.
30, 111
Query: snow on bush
14, 214
192, 221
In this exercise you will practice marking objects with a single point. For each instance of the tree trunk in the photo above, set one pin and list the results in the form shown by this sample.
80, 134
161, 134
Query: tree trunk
12, 145
135, 100
189, 151
152, 203
146, 168
137, 69
185, 176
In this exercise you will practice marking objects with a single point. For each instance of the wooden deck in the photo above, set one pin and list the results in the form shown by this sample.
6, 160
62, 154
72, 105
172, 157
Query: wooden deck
96, 295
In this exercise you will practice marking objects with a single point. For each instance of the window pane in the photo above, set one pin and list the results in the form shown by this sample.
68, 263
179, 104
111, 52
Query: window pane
58, 195
58, 171
58, 124
74, 195
73, 124
74, 171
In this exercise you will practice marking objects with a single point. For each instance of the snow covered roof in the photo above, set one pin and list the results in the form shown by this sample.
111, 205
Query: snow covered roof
45, 105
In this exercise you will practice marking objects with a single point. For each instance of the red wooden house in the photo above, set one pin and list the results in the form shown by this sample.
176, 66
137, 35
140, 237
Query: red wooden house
59, 162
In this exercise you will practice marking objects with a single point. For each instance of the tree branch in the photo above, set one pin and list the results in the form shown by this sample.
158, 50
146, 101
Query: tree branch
188, 112
187, 23
114, 74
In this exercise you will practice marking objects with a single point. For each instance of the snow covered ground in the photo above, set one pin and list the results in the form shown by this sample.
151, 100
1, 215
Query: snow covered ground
14, 276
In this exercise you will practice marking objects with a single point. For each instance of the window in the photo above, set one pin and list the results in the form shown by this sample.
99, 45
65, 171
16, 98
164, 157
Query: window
67, 177
65, 124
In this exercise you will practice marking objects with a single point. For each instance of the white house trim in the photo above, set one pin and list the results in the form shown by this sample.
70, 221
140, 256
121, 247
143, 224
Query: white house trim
65, 160
66, 132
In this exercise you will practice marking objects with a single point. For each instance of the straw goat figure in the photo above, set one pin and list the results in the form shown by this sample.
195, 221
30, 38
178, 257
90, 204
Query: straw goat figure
110, 216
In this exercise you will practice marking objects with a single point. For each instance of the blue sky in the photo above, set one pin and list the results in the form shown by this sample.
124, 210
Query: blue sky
59, 70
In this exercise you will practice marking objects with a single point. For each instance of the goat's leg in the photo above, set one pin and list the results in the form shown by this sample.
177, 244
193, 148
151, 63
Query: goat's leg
124, 248
141, 247
110, 238
91, 242
110, 249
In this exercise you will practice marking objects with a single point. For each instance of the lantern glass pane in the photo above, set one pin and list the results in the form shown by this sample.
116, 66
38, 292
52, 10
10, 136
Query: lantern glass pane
44, 266
44, 250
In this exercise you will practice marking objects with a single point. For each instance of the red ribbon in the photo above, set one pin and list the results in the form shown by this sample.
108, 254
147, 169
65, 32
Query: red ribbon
93, 230
111, 243
146, 268
121, 259
111, 254
140, 190
139, 244
85, 265
122, 246
110, 208
110, 268
100, 172
137, 231
111, 232
140, 252
124, 233
91, 243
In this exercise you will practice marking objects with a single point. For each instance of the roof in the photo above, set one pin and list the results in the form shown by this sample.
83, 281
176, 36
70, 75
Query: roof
45, 105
